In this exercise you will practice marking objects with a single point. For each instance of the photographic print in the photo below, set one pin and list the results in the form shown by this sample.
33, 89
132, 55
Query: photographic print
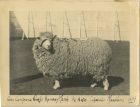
60, 53
81, 53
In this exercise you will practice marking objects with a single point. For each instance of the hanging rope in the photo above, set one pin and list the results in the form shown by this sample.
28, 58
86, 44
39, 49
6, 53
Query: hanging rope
23, 35
114, 26
33, 24
98, 16
46, 22
68, 24
84, 23
28, 24
50, 22
80, 26
63, 27
31, 21
118, 25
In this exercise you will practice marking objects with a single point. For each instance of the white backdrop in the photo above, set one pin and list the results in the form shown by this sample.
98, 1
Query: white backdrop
104, 24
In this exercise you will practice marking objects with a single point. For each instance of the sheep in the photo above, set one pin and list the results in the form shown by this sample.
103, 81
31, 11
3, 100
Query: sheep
65, 57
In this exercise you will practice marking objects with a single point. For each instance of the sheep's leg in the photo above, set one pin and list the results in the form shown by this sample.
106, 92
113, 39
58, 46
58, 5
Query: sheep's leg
93, 85
106, 84
56, 84
44, 74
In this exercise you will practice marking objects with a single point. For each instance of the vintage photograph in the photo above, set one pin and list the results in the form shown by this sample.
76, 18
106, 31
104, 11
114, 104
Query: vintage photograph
69, 52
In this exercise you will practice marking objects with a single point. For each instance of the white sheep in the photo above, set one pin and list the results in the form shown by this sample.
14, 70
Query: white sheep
63, 58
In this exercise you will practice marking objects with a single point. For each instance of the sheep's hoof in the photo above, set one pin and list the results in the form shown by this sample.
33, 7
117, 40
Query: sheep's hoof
56, 85
93, 85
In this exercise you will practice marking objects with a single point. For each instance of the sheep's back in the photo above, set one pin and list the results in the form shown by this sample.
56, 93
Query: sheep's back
93, 55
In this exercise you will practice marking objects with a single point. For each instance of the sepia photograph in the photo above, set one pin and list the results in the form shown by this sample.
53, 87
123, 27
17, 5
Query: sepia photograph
59, 53
80, 53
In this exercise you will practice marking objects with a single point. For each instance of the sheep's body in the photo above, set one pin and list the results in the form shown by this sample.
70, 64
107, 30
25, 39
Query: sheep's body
74, 57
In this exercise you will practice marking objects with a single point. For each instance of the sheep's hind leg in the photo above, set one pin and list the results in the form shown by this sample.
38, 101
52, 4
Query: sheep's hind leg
106, 84
56, 84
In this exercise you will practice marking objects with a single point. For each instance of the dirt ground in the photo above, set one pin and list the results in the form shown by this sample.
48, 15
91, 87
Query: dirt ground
26, 80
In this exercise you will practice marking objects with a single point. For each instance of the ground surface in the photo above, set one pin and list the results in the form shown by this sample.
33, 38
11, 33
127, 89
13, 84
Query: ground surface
26, 80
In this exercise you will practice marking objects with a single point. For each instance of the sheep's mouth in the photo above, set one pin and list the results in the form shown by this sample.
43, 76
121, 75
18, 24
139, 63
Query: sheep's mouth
51, 50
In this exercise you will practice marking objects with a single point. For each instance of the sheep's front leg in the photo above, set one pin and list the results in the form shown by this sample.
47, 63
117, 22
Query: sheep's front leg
94, 83
106, 84
56, 84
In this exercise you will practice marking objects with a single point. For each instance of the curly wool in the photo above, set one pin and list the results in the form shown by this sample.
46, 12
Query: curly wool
74, 57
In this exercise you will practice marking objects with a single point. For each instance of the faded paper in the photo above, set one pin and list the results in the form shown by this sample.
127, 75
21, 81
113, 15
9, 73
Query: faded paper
129, 25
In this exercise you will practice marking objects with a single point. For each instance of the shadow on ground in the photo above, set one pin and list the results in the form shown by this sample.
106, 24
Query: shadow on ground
26, 78
114, 81
77, 81
87, 81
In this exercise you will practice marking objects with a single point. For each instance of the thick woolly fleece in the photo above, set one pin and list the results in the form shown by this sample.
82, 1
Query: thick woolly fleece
74, 57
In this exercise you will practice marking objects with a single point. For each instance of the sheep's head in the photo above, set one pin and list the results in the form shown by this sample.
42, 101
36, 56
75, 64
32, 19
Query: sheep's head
47, 40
